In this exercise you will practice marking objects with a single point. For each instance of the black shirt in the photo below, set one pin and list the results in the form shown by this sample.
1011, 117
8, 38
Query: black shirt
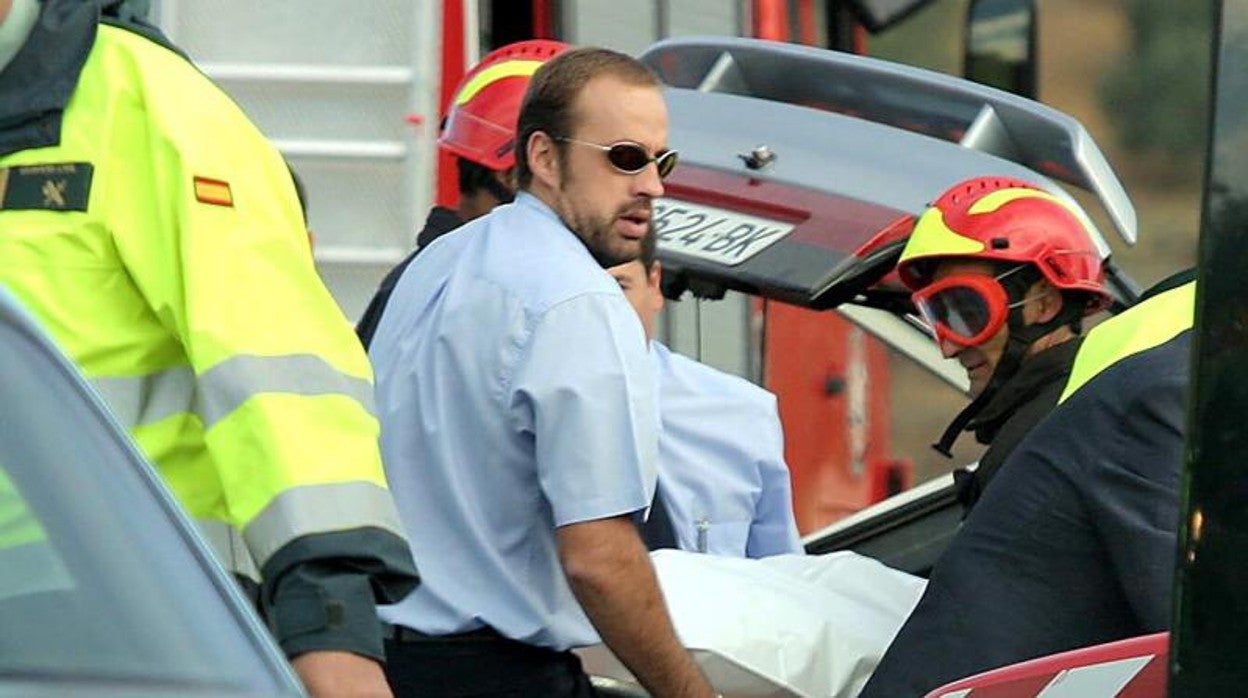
1073, 545
1025, 399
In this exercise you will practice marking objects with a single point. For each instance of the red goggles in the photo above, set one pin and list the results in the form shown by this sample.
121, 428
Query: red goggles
965, 309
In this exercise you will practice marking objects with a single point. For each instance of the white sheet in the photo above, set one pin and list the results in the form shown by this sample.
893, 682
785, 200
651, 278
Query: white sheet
785, 626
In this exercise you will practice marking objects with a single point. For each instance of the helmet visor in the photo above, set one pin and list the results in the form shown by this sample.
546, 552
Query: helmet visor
966, 309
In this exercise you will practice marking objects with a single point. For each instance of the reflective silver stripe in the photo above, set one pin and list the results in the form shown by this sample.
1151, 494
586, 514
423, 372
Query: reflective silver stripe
31, 568
324, 508
232, 382
1103, 679
229, 547
223, 388
148, 399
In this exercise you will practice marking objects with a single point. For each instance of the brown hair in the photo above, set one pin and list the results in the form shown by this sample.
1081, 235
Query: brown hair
548, 103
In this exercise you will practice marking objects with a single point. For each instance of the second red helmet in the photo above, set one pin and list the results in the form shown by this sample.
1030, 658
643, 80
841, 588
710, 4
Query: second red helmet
1007, 220
481, 118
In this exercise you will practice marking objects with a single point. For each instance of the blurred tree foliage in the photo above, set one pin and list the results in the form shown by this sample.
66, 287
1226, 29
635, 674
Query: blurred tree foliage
1162, 87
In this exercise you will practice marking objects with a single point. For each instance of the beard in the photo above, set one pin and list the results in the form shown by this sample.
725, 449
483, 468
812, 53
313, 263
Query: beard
597, 232
607, 247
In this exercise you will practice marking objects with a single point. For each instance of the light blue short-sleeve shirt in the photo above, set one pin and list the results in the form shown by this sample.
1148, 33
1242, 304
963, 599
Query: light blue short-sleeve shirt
516, 395
722, 472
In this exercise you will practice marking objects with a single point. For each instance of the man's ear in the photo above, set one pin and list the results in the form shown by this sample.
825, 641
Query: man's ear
543, 156
654, 285
1048, 301
507, 178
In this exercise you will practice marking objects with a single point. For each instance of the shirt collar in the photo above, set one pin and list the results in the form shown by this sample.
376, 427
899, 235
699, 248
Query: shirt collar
528, 200
534, 205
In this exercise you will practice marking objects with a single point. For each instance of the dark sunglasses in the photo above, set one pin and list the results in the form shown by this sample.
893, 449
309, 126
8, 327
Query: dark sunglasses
630, 158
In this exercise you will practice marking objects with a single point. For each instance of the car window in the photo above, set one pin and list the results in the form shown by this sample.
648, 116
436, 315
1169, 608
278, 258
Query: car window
97, 585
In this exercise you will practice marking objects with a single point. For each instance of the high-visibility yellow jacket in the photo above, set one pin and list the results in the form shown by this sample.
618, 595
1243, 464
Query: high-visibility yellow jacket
157, 235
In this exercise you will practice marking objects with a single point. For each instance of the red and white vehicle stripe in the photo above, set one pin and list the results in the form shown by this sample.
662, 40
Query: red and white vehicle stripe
1134, 668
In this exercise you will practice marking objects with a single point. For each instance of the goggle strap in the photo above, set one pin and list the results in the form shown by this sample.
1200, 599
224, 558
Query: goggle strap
945, 445
1011, 358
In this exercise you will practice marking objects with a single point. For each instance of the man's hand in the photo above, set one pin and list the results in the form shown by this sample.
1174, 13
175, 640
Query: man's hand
335, 674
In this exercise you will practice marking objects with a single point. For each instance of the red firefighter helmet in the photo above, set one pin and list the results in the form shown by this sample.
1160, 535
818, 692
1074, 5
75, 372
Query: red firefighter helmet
481, 121
1006, 220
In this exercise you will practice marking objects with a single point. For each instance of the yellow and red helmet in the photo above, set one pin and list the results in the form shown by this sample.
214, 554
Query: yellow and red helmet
481, 121
1000, 219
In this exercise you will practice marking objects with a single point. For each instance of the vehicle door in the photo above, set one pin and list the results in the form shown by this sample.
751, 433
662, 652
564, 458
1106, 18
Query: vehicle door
105, 588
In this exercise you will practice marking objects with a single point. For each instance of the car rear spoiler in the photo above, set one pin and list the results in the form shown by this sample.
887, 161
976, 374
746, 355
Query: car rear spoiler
974, 116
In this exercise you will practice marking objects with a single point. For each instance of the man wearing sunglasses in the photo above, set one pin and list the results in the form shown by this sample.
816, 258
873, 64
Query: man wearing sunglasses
480, 131
1004, 275
517, 404
723, 483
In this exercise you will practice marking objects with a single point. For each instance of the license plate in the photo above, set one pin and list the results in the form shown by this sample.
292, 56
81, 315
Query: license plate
714, 234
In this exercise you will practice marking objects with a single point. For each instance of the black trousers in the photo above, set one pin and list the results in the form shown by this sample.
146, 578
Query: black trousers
480, 664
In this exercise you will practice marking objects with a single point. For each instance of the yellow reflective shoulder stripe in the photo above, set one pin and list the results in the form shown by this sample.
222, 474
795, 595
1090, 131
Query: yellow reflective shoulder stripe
140, 400
932, 237
324, 508
492, 74
1147, 325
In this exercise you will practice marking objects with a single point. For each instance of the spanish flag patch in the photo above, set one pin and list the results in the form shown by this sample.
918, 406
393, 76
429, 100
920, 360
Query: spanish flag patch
213, 191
